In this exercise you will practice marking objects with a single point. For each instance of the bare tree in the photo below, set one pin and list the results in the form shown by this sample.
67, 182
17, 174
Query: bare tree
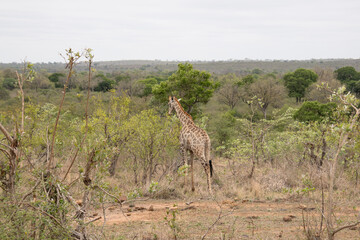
11, 147
72, 58
229, 93
269, 90
326, 76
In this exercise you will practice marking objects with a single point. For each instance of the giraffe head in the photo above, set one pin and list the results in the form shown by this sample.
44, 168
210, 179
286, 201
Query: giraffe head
171, 103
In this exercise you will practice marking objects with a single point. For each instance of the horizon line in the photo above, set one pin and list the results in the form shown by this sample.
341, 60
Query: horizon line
197, 60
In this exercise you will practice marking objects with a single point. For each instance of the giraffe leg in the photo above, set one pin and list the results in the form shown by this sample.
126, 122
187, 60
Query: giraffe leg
184, 160
192, 171
207, 172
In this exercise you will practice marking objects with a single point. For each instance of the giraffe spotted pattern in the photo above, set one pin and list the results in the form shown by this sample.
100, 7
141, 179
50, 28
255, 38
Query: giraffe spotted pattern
193, 139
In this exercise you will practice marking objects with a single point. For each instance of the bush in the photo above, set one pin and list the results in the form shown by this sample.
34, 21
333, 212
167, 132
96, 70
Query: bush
104, 86
9, 83
3, 94
314, 111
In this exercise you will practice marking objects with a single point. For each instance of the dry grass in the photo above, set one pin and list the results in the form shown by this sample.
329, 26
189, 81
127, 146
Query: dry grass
258, 204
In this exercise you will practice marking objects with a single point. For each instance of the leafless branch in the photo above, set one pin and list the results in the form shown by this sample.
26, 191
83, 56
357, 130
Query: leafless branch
5, 152
109, 194
98, 218
90, 58
6, 133
220, 216
344, 227
7, 146
24, 197
47, 214
73, 57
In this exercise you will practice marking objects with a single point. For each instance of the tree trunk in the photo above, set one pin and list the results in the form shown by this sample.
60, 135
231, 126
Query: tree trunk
113, 164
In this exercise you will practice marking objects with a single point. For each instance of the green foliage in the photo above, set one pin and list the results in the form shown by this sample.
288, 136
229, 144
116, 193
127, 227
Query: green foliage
190, 85
170, 218
153, 187
148, 84
152, 139
182, 170
105, 85
58, 79
297, 82
9, 83
224, 130
257, 71
247, 80
55, 77
135, 194
314, 111
350, 77
122, 77
3, 93
346, 74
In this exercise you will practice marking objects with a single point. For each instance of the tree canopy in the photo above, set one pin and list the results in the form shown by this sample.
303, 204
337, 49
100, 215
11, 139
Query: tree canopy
192, 86
346, 74
297, 82
105, 84
269, 90
314, 111
350, 77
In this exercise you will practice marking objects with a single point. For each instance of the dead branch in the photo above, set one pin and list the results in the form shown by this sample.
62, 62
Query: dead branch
47, 214
24, 197
7, 146
20, 83
109, 194
6, 133
98, 218
90, 58
104, 213
72, 58
5, 152
220, 216
344, 227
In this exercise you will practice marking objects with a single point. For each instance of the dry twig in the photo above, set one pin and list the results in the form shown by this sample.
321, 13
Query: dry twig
220, 216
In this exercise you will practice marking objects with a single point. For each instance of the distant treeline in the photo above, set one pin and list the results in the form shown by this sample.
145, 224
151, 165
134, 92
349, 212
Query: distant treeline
217, 67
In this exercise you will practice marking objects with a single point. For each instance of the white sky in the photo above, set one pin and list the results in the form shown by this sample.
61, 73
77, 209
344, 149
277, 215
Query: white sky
180, 30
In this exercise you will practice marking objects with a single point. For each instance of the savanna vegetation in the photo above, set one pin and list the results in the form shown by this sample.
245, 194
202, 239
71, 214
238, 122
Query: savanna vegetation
77, 140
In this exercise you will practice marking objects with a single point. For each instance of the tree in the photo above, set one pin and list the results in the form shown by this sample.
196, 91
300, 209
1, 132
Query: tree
3, 93
152, 137
9, 83
346, 74
315, 111
350, 77
247, 80
229, 91
326, 76
148, 84
105, 85
111, 121
192, 86
342, 134
58, 79
297, 82
269, 90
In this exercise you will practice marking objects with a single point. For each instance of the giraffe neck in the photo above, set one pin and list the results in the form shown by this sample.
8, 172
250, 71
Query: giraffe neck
185, 118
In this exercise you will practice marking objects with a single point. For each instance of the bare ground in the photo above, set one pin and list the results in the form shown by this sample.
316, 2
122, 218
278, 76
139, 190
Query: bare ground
241, 219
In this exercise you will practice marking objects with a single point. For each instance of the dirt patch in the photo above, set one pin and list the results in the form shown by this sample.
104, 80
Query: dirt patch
248, 220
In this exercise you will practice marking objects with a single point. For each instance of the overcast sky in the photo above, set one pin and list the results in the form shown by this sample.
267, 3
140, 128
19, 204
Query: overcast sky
180, 30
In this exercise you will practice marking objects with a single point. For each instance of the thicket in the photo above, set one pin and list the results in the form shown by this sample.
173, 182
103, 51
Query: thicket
60, 145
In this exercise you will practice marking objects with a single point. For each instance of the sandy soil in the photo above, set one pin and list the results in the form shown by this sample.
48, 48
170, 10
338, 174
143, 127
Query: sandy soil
240, 220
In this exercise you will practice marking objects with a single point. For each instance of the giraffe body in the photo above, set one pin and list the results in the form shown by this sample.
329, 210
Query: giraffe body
193, 139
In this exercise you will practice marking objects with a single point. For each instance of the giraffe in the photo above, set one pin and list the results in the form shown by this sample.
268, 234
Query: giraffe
193, 139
